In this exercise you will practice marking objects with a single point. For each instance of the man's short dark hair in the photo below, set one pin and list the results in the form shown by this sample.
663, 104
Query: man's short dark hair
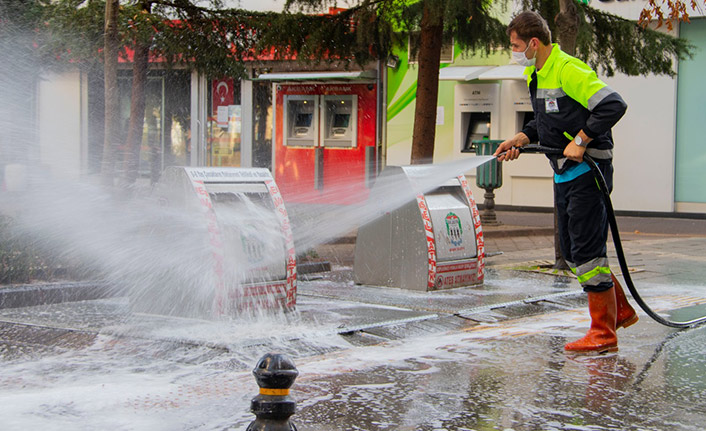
529, 24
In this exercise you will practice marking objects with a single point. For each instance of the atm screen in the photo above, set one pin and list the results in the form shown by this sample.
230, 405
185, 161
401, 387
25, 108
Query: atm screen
341, 120
303, 120
478, 128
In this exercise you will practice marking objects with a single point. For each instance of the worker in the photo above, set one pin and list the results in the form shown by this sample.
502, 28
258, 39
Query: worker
574, 111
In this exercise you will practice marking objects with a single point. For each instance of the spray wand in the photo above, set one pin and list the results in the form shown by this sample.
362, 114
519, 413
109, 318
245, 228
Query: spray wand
605, 192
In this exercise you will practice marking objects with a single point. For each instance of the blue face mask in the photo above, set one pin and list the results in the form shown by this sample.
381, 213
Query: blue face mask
521, 59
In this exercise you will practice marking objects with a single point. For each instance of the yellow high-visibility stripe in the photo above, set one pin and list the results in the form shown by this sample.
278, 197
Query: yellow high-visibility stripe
267, 391
592, 273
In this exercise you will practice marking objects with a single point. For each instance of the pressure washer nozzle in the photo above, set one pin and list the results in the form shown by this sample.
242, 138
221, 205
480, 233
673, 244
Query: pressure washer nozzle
540, 149
536, 149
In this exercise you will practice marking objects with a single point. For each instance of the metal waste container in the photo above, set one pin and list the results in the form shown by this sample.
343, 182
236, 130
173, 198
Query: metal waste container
243, 240
489, 176
435, 241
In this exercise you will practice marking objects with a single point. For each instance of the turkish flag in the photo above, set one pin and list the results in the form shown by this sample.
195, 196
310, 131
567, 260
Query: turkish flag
221, 93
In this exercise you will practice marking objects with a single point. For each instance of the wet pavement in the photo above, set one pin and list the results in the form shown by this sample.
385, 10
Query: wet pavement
485, 357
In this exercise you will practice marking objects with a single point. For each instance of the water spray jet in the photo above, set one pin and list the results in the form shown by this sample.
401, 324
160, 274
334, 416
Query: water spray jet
246, 230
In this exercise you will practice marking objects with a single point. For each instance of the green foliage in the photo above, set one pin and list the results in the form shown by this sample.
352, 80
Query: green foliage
19, 18
615, 44
212, 45
74, 33
612, 44
474, 28
211, 40
24, 260
15, 257
217, 41
352, 35
21, 36
370, 29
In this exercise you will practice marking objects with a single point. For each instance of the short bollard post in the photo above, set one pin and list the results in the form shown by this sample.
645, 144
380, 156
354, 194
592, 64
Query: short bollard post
275, 374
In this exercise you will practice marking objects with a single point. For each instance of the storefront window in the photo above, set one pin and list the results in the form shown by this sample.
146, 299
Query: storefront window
224, 123
152, 136
262, 134
177, 119
166, 129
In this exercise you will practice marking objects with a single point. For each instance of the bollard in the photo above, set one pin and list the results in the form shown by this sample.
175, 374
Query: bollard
275, 374
488, 177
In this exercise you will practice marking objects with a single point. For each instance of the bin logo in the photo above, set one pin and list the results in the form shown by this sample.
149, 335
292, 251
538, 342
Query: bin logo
253, 247
453, 229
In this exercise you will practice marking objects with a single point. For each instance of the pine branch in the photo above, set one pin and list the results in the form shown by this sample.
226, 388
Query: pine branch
612, 44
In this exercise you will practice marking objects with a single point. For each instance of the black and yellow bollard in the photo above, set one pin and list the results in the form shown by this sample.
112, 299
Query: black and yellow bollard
275, 374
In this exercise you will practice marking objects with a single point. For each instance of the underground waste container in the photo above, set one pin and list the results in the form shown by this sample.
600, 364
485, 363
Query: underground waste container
434, 241
241, 257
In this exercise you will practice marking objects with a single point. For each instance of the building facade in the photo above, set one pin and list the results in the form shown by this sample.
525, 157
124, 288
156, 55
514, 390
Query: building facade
658, 143
195, 121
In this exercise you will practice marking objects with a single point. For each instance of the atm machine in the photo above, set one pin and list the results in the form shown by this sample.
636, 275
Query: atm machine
433, 242
340, 115
324, 152
528, 180
301, 120
476, 114
516, 107
242, 245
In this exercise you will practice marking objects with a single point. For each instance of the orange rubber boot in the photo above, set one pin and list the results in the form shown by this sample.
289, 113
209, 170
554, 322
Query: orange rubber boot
626, 314
601, 337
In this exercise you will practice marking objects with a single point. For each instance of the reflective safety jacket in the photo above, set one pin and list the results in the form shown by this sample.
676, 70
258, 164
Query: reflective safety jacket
567, 96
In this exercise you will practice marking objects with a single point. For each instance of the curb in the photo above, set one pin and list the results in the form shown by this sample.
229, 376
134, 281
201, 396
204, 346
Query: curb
29, 295
490, 232
313, 267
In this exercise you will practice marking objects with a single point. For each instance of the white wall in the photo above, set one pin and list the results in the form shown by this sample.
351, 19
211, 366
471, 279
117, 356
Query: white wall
527, 181
645, 139
60, 124
645, 144
644, 155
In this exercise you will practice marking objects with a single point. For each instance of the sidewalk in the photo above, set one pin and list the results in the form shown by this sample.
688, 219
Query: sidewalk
373, 358
668, 253
528, 236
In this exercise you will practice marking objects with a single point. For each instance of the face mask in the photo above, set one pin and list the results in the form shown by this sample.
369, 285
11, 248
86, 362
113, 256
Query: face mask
522, 60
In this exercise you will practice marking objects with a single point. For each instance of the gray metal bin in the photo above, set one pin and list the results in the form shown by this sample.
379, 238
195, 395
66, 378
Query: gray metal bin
243, 244
433, 242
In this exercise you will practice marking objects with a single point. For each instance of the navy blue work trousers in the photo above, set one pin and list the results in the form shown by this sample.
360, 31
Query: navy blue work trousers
583, 227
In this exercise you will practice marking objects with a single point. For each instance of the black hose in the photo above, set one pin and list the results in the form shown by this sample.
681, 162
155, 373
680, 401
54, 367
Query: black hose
616, 238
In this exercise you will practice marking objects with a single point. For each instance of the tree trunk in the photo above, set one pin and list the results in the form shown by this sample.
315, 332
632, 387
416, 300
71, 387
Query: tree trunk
112, 103
567, 21
133, 143
131, 157
432, 32
167, 136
